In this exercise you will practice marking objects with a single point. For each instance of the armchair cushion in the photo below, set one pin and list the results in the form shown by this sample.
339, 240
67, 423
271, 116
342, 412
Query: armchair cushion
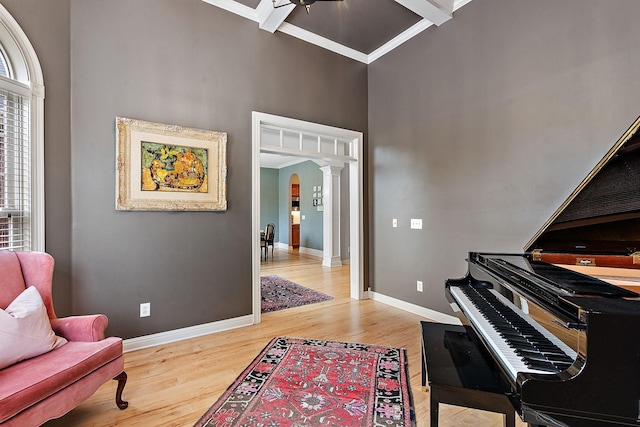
43, 376
25, 330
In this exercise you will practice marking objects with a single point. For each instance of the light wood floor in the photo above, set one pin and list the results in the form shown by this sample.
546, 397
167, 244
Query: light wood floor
174, 384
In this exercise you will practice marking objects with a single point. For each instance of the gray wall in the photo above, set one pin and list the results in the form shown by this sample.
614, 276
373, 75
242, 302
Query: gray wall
46, 24
483, 126
269, 198
195, 65
186, 63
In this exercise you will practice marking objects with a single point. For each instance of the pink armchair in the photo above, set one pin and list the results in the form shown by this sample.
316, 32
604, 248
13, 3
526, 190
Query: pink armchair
47, 386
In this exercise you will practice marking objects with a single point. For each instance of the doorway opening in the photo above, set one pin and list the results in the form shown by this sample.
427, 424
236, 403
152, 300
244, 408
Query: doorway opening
294, 211
334, 147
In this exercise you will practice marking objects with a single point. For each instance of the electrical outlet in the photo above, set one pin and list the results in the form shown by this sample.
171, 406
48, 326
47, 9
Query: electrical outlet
395, 222
145, 309
416, 224
419, 285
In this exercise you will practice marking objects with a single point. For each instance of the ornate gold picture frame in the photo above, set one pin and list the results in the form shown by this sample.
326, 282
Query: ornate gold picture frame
169, 167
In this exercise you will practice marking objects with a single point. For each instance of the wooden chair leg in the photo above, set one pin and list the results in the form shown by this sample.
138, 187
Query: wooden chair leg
122, 380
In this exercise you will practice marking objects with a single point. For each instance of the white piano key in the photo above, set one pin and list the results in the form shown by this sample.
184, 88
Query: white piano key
507, 356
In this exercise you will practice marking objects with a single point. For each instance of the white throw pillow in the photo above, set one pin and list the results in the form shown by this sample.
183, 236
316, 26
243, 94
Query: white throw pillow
25, 330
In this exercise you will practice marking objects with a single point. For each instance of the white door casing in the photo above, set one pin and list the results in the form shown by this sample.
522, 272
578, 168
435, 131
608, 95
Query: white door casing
315, 141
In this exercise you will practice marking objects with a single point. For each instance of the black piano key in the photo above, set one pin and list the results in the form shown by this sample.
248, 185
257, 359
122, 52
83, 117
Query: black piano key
541, 365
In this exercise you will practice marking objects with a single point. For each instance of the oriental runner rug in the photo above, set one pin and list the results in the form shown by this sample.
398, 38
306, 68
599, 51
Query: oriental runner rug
296, 382
279, 293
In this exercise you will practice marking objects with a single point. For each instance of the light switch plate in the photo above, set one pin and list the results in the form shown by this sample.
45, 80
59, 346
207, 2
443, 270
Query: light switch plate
416, 224
145, 309
395, 222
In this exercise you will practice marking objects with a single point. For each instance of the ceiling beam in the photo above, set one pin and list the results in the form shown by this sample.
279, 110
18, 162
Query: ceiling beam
436, 11
270, 18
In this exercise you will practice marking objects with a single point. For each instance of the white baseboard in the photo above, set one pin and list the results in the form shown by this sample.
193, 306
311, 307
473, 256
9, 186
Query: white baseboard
138, 343
301, 249
160, 338
312, 252
415, 309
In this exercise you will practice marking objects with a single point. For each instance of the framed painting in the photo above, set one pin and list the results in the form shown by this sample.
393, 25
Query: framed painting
169, 168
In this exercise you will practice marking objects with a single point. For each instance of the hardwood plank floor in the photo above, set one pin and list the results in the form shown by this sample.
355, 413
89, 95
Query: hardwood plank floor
174, 384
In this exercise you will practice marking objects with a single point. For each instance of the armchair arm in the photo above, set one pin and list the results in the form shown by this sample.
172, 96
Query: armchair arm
81, 328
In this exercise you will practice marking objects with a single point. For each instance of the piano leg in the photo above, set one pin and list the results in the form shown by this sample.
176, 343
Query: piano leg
435, 403
509, 417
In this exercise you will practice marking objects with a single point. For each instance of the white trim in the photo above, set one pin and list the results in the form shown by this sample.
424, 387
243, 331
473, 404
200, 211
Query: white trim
415, 309
175, 335
256, 258
331, 219
355, 160
138, 343
457, 4
356, 223
33, 73
434, 11
262, 17
308, 251
406, 35
281, 245
317, 253
271, 18
15, 86
323, 42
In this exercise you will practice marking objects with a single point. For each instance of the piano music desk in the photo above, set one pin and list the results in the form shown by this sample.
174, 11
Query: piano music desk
459, 374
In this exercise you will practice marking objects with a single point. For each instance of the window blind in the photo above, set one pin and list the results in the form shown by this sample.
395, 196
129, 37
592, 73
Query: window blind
15, 173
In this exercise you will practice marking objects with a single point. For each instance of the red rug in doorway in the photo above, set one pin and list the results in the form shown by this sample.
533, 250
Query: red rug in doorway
303, 382
279, 293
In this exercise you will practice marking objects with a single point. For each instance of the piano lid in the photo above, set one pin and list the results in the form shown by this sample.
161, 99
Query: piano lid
602, 215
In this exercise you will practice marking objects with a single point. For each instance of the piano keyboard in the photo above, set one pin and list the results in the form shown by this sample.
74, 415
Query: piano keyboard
520, 343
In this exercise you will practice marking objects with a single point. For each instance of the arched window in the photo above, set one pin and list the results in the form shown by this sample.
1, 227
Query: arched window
21, 140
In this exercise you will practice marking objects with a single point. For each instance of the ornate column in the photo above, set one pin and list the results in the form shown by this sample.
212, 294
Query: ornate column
331, 217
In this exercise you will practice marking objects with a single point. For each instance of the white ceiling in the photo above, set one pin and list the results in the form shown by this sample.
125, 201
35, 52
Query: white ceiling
277, 161
363, 30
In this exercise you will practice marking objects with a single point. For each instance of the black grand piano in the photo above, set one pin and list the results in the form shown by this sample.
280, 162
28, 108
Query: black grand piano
561, 322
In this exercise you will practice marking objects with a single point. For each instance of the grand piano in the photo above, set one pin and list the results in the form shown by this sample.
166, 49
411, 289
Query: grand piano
561, 322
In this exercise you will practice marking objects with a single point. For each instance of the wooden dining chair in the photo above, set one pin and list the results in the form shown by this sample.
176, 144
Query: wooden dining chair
271, 237
266, 240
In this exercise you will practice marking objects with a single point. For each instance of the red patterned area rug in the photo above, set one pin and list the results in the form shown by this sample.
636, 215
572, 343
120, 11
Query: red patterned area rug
298, 382
279, 293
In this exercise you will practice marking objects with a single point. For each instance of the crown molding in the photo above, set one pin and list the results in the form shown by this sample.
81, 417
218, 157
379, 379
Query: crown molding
398, 40
432, 11
323, 42
271, 18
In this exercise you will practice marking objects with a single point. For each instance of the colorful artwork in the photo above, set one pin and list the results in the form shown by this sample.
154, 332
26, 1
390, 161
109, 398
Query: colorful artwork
173, 168
164, 167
